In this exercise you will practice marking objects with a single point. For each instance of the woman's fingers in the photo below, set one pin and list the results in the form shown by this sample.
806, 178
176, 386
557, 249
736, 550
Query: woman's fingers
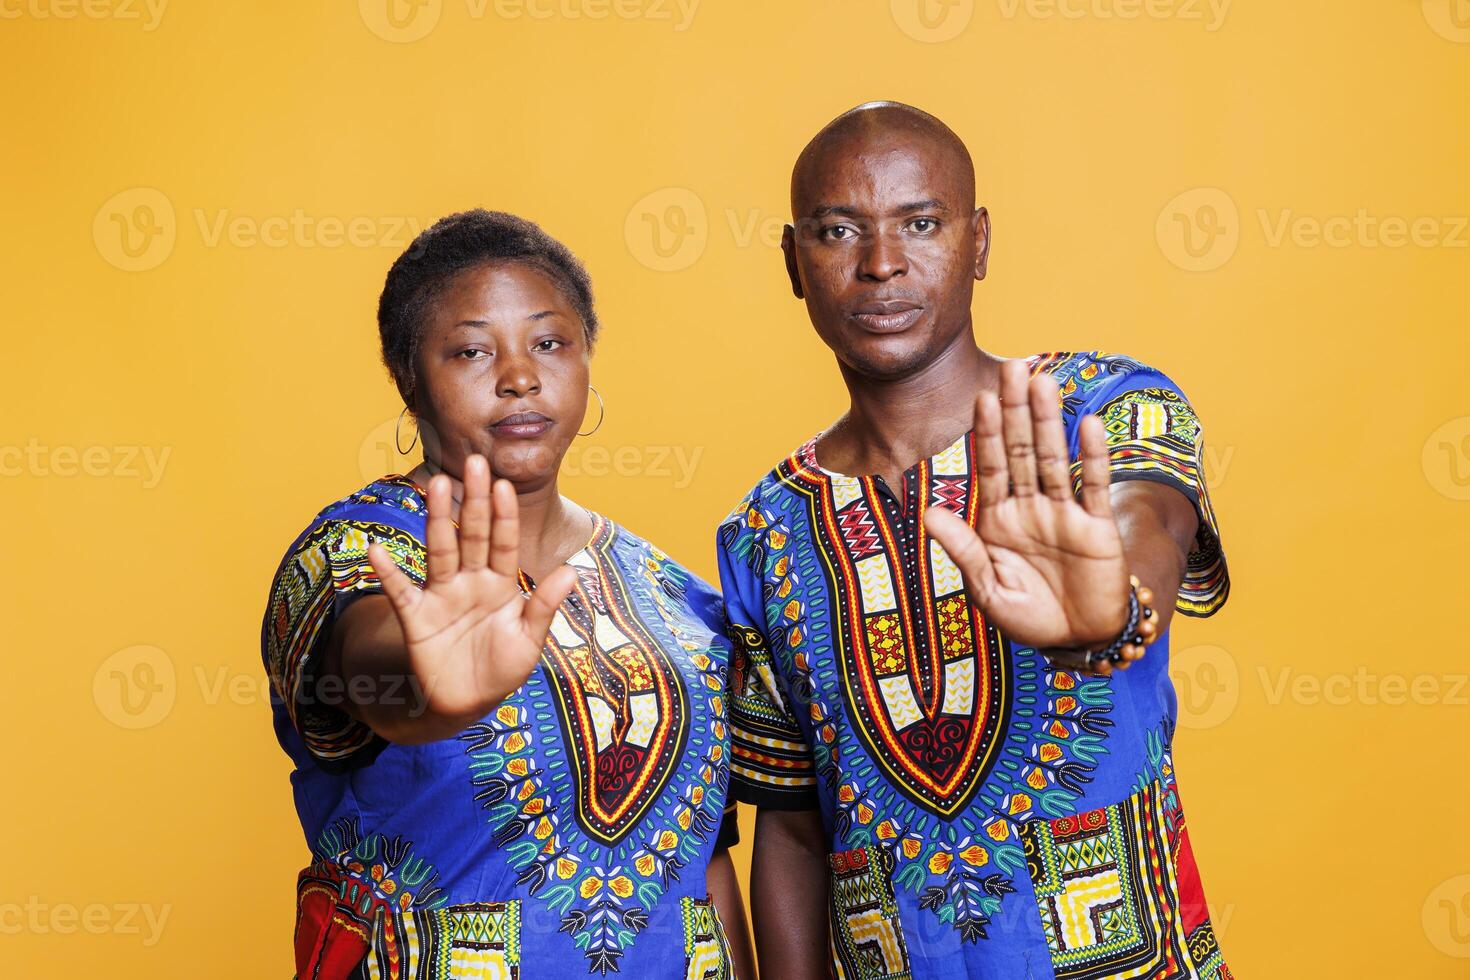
990, 451
1097, 499
1052, 458
397, 586
1016, 426
474, 515
505, 530
965, 549
548, 595
443, 542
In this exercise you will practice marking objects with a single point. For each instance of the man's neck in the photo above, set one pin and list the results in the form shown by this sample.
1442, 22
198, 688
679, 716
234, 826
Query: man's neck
893, 423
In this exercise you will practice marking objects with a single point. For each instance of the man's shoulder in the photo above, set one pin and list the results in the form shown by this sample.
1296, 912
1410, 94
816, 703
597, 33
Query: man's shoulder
1086, 366
1084, 376
772, 492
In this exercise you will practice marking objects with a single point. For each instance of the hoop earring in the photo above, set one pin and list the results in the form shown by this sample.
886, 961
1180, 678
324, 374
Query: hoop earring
601, 411
398, 439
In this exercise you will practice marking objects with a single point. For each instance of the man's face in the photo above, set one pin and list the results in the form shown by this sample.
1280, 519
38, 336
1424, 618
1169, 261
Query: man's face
886, 250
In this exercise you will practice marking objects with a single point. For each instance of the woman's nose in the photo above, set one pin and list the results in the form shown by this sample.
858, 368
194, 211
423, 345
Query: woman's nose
518, 378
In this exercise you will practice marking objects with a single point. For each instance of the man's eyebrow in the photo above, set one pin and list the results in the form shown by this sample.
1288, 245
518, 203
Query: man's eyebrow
930, 205
848, 211
843, 210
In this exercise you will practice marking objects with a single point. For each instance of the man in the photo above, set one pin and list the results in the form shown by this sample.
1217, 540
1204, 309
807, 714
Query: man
948, 766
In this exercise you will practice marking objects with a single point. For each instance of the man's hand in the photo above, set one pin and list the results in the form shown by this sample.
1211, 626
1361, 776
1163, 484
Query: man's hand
1047, 570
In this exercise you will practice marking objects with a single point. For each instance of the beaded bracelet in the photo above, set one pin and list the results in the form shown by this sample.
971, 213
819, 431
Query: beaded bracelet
1138, 630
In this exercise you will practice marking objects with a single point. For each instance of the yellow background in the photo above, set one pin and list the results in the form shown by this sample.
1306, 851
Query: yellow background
1324, 712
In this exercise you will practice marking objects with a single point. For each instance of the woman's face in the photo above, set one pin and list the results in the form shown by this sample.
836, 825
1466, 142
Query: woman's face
502, 371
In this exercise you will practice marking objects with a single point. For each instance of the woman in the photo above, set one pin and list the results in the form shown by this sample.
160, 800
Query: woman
500, 778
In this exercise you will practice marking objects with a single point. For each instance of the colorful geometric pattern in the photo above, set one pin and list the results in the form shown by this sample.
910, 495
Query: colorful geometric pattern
1153, 434
480, 940
329, 563
867, 938
1107, 889
928, 736
591, 795
766, 745
612, 712
706, 950
961, 866
621, 700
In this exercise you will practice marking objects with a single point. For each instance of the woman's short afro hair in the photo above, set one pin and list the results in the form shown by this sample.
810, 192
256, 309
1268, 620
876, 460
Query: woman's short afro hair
455, 243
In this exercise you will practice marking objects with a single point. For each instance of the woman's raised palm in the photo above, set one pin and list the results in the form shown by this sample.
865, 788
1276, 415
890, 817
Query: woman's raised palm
473, 638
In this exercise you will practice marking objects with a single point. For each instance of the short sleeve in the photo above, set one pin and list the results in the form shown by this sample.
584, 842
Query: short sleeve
729, 834
325, 572
1154, 434
771, 763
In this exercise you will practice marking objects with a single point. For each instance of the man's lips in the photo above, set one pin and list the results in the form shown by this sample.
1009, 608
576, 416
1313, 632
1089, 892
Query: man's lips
522, 425
887, 316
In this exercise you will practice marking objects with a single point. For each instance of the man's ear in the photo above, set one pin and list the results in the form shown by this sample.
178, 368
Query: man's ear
788, 248
982, 242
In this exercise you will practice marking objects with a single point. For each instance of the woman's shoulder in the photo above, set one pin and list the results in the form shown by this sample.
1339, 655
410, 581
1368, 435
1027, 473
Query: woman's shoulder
392, 501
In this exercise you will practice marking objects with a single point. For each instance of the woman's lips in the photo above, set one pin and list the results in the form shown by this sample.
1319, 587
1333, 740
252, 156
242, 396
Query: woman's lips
522, 425
887, 317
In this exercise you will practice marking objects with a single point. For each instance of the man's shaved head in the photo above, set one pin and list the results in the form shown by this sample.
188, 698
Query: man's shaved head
873, 125
885, 243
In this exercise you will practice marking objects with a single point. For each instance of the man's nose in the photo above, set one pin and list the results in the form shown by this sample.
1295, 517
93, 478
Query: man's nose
882, 258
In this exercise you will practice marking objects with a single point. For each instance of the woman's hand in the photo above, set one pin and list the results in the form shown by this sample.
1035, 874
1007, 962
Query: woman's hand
472, 639
1046, 569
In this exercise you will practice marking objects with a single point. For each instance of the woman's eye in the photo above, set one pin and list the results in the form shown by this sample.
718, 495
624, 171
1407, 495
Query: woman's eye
549, 345
473, 354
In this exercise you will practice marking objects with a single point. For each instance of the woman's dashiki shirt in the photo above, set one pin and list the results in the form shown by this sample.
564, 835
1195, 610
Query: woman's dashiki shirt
988, 815
567, 832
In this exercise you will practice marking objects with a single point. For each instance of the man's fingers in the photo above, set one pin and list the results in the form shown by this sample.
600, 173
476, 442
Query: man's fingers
1016, 426
990, 451
474, 515
1077, 660
1097, 500
542, 606
965, 549
1051, 439
443, 541
505, 530
397, 586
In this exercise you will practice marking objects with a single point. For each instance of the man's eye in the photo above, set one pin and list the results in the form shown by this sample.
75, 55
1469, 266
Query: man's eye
838, 233
924, 225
